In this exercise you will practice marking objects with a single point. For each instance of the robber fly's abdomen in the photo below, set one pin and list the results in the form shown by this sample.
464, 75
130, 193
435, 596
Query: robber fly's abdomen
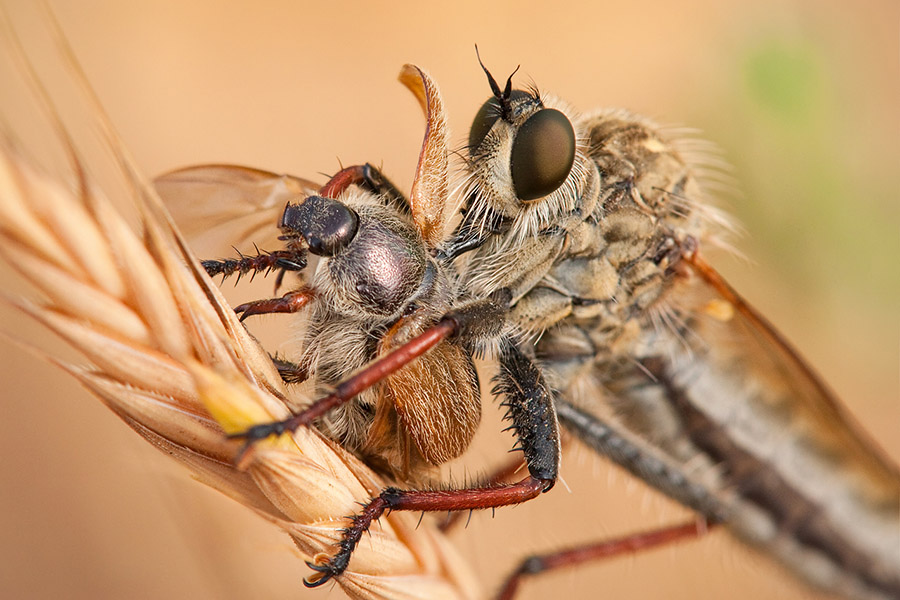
649, 344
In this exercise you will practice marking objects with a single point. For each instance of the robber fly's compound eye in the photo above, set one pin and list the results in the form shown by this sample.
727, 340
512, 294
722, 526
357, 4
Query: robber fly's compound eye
327, 225
485, 118
542, 154
488, 114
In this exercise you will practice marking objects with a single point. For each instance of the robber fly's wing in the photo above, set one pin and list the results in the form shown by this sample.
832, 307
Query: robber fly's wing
741, 342
220, 207
428, 198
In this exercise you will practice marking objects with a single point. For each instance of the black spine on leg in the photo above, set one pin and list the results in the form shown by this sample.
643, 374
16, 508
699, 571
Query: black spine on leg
292, 259
529, 405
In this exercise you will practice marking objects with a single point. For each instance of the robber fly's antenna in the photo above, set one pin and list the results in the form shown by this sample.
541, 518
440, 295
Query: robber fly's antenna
502, 97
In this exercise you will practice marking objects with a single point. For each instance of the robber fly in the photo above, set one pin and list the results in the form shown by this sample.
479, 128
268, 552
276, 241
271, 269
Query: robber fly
594, 224
581, 234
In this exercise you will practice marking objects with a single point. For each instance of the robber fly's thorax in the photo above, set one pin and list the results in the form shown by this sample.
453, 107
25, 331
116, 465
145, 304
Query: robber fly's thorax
601, 246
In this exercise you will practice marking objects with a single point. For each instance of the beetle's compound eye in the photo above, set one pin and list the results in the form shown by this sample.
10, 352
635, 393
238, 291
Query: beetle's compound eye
326, 224
542, 154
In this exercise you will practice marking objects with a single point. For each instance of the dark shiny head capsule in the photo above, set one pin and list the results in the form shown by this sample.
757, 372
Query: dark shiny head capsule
327, 225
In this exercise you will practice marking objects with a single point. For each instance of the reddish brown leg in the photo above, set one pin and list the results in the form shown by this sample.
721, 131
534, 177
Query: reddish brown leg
289, 303
367, 177
468, 320
342, 180
529, 406
363, 380
501, 475
419, 500
626, 545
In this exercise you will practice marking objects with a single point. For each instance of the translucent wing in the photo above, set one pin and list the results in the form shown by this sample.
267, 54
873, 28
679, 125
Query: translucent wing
721, 393
223, 206
765, 356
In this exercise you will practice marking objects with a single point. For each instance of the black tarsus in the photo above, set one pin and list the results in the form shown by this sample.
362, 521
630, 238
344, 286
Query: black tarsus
470, 235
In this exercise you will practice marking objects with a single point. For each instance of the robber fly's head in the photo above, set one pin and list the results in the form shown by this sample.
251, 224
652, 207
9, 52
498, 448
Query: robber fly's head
525, 166
374, 261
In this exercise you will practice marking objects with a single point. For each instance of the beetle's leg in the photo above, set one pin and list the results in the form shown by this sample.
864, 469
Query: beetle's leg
290, 372
571, 557
365, 176
280, 260
289, 303
369, 178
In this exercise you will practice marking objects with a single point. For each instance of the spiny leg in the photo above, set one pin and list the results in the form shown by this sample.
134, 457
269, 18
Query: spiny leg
529, 406
570, 557
279, 260
621, 448
369, 178
503, 474
527, 399
293, 258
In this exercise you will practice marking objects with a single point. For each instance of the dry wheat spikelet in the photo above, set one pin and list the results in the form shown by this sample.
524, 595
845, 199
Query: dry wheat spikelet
168, 356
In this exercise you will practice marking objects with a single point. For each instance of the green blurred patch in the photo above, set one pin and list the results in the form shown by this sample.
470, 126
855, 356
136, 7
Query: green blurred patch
784, 78
818, 182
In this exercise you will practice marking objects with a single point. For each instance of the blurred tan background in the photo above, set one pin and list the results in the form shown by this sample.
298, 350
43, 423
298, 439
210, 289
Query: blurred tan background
802, 96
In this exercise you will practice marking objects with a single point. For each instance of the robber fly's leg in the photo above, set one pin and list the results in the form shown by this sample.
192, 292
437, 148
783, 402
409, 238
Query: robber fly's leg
477, 319
503, 474
616, 445
375, 181
289, 303
529, 406
570, 557
280, 260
